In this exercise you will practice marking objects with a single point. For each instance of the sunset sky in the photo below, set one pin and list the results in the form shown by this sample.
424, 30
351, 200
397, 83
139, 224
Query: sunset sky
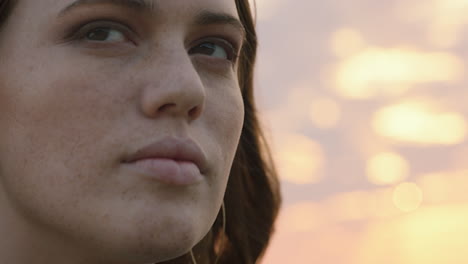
366, 104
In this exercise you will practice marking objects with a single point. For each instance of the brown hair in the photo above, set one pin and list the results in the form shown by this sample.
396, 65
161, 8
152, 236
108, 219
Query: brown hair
252, 197
5, 10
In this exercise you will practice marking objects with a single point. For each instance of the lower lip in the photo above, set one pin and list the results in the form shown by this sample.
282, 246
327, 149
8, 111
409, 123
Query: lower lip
168, 171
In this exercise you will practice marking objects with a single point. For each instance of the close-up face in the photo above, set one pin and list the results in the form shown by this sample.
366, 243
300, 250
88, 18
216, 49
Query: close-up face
86, 88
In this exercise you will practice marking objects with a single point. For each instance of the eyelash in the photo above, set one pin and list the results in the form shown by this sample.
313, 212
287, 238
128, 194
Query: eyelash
231, 50
80, 33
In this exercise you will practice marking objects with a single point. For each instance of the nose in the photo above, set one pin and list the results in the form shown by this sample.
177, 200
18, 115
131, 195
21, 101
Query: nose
175, 89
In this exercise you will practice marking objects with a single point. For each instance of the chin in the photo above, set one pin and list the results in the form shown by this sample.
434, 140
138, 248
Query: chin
154, 242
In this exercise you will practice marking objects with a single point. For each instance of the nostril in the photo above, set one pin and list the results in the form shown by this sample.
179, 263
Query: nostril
165, 107
195, 112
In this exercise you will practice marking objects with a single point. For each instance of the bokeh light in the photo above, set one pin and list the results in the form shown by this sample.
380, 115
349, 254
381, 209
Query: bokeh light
360, 206
325, 113
300, 159
387, 72
387, 168
367, 106
417, 121
445, 20
430, 235
444, 187
407, 196
302, 217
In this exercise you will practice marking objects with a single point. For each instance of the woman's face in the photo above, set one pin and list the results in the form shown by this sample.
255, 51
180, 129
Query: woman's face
83, 86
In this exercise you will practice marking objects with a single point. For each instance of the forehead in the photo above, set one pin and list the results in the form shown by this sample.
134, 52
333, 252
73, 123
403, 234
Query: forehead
161, 6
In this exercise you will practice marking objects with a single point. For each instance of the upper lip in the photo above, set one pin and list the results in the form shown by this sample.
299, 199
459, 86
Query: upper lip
179, 149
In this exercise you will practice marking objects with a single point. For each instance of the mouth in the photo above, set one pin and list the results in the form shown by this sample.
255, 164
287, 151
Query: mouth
168, 171
174, 161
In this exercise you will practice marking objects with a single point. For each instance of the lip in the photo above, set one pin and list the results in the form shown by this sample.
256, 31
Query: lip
177, 149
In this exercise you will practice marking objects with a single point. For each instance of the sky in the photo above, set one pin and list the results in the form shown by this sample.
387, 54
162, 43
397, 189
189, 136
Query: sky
365, 106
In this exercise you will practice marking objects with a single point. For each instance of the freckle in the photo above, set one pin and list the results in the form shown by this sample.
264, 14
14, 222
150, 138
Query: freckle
31, 68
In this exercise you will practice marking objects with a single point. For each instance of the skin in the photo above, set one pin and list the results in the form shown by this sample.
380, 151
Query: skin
71, 110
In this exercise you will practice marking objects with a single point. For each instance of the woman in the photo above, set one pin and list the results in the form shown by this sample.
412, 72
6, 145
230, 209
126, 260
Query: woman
129, 133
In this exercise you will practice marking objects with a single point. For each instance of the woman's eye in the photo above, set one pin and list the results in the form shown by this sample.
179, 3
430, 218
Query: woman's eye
105, 34
101, 32
213, 49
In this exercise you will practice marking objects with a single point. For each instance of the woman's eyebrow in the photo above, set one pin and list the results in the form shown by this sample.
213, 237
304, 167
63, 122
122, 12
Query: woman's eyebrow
204, 17
138, 5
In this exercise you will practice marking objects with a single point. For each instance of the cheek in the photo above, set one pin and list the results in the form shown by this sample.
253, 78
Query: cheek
52, 116
56, 126
225, 117
54, 122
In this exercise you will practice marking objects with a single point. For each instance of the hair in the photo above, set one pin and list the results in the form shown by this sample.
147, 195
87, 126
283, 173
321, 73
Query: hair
5, 10
253, 198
